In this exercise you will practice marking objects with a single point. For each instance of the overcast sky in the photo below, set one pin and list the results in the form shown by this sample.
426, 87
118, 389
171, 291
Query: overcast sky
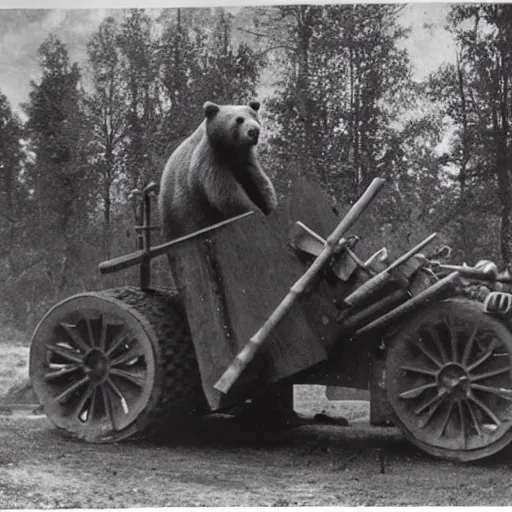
23, 30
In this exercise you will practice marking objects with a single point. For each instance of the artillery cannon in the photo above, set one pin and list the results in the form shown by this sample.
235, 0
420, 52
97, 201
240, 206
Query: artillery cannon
285, 299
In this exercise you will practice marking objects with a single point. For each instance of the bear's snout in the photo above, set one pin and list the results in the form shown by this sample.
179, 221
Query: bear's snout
253, 134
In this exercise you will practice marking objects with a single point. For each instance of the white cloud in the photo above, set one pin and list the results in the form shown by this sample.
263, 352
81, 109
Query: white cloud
23, 30
429, 44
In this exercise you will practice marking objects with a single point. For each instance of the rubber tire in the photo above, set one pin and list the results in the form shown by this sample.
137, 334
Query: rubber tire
177, 397
469, 308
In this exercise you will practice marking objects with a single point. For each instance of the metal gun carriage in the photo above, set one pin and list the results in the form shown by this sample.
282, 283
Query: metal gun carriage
266, 302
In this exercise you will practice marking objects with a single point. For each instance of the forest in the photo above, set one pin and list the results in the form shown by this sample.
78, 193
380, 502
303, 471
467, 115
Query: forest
339, 105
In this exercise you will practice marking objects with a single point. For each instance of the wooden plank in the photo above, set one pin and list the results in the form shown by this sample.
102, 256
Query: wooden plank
260, 276
309, 204
231, 280
207, 317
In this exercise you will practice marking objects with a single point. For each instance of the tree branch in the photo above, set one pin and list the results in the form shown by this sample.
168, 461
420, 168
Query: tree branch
271, 48
252, 32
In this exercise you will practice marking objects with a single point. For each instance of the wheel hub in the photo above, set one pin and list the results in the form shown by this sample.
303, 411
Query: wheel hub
453, 380
96, 365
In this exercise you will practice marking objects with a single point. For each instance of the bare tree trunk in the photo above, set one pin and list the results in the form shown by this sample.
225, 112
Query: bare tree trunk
502, 160
107, 206
304, 33
465, 140
464, 235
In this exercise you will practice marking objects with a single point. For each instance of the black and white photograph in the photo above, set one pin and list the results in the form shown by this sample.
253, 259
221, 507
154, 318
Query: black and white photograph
255, 253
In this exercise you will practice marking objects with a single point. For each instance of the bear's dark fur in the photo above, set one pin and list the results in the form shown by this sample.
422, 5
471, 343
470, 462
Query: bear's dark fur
214, 174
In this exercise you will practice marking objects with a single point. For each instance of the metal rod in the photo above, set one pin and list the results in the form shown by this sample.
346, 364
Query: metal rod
145, 266
376, 283
406, 307
387, 302
412, 252
478, 274
134, 258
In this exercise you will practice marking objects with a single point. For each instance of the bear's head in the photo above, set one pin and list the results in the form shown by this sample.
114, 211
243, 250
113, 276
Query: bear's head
232, 127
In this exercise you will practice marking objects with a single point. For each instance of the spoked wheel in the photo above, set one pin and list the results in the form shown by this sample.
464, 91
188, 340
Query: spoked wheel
107, 365
449, 381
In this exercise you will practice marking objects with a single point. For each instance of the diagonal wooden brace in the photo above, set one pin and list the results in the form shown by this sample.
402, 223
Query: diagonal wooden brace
135, 258
247, 354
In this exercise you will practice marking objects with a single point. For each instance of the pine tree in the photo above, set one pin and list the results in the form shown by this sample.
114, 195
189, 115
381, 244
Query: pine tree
58, 129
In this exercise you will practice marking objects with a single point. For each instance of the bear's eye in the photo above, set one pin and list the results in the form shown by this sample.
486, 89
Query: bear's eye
239, 120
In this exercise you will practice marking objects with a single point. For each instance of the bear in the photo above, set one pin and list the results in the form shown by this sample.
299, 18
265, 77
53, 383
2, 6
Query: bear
214, 174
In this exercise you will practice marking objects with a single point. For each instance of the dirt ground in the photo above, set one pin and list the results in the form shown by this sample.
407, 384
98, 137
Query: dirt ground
313, 466
216, 465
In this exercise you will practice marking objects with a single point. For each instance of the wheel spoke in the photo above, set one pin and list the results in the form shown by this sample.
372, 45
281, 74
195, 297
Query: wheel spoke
80, 407
501, 392
453, 339
488, 375
137, 378
122, 399
133, 353
438, 398
415, 392
428, 354
419, 369
55, 374
434, 403
107, 402
66, 353
75, 337
484, 356
103, 334
90, 332
71, 389
117, 341
446, 419
462, 423
434, 335
94, 403
486, 409
473, 418
469, 345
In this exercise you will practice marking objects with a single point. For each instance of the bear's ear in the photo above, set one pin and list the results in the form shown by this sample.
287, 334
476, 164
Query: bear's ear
210, 109
255, 105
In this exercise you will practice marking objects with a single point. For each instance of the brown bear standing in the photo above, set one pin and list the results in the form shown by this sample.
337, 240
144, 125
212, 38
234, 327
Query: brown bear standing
214, 174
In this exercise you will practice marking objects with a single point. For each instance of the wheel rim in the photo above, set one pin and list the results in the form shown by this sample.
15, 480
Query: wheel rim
93, 367
450, 385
